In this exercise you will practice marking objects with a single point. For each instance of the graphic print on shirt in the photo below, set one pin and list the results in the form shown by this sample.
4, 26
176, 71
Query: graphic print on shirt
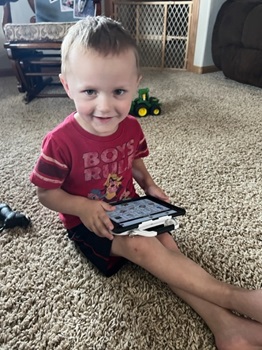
106, 169
111, 190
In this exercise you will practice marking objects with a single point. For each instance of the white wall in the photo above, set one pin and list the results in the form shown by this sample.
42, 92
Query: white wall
4, 62
207, 15
21, 13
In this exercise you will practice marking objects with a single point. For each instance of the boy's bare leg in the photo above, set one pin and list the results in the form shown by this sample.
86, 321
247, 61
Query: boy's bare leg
230, 331
207, 296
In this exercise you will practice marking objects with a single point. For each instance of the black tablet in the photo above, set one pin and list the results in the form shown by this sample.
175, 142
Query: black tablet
147, 213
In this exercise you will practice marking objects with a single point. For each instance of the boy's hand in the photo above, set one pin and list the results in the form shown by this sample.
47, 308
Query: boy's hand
155, 191
93, 216
92, 213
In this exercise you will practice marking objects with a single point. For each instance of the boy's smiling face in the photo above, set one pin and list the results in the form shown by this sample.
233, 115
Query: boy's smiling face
102, 88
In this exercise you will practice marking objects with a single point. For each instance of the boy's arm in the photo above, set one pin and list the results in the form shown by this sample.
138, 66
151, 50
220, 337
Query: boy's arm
92, 213
145, 181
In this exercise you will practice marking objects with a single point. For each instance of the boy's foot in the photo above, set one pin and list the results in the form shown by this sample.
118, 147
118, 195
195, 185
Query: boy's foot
240, 334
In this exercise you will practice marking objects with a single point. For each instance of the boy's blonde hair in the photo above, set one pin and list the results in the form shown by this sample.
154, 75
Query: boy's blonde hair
101, 34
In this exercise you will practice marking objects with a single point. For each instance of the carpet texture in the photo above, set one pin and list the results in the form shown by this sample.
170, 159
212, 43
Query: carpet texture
205, 152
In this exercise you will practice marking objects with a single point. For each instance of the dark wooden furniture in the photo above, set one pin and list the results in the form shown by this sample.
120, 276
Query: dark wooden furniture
34, 52
36, 65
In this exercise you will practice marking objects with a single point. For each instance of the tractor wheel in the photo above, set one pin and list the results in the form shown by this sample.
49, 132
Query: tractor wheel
155, 110
141, 110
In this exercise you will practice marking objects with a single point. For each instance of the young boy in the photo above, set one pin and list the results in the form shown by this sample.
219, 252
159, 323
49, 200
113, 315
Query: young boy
91, 159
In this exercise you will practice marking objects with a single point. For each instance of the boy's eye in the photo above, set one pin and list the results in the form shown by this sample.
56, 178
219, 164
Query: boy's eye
90, 92
119, 92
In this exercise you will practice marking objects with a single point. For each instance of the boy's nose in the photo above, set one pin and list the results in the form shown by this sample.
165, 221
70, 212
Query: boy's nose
104, 104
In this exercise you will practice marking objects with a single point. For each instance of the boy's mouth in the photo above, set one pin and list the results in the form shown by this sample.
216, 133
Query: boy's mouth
103, 119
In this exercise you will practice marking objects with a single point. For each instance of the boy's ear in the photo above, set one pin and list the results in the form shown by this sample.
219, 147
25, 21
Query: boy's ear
65, 84
139, 80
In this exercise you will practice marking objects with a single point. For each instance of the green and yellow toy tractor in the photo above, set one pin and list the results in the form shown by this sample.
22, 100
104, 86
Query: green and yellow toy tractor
144, 105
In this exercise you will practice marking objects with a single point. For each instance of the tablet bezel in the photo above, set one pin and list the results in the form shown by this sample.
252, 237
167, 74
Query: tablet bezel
119, 228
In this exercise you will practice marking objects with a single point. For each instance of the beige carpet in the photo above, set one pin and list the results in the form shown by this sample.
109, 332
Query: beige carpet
205, 152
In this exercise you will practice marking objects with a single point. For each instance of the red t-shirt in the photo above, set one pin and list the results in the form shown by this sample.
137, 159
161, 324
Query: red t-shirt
88, 165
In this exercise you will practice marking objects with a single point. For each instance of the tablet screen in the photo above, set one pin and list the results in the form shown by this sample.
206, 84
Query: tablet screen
137, 211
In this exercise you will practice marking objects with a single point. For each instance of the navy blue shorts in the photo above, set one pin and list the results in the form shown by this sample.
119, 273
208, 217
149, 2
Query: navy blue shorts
96, 249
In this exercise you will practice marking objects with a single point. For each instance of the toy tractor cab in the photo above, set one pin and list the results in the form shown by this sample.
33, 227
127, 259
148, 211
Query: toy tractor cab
144, 105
